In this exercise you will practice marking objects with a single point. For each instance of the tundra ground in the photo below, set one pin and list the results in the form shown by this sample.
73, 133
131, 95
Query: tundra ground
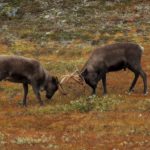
117, 121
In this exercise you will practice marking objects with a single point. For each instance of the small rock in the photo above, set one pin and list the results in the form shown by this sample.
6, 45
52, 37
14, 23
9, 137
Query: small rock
140, 115
46, 16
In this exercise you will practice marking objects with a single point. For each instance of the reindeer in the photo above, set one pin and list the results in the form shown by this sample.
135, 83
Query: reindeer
111, 58
28, 71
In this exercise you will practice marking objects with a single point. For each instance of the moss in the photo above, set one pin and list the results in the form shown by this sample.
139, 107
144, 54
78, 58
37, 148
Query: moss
67, 36
83, 104
21, 47
31, 140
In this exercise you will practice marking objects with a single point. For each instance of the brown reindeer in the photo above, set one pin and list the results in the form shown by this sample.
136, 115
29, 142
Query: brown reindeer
111, 58
28, 71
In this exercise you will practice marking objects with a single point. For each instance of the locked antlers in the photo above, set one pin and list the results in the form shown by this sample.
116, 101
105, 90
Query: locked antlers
76, 76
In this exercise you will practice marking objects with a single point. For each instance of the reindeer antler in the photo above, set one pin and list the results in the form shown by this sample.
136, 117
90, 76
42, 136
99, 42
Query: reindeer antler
76, 76
67, 77
61, 89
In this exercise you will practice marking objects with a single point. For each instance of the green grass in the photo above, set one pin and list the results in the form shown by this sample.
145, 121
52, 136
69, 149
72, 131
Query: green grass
143, 105
86, 104
63, 66
2, 139
83, 104
32, 140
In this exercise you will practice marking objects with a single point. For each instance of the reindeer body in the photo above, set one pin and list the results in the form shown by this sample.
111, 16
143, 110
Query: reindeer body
27, 71
21, 69
112, 58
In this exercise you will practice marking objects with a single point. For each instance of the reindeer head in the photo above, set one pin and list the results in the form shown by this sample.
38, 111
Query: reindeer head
51, 86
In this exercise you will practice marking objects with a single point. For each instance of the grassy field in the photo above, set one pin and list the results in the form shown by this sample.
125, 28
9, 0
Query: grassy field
61, 35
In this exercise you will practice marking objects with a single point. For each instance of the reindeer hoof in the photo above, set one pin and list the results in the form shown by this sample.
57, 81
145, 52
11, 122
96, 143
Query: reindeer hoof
92, 96
104, 94
145, 93
129, 93
22, 104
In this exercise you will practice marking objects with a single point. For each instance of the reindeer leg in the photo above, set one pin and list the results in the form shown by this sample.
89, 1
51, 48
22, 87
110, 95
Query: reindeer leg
138, 70
134, 82
104, 84
3, 75
25, 87
36, 90
93, 86
93, 91
144, 77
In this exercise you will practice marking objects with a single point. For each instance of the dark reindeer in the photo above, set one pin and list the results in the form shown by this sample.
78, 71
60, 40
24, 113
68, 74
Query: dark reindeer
112, 58
28, 71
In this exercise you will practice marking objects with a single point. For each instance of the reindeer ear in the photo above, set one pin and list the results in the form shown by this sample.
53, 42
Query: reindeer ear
85, 72
55, 79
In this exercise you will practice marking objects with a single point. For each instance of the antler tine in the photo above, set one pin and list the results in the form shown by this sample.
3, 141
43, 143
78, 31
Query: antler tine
75, 75
77, 79
80, 80
61, 89
77, 69
67, 77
